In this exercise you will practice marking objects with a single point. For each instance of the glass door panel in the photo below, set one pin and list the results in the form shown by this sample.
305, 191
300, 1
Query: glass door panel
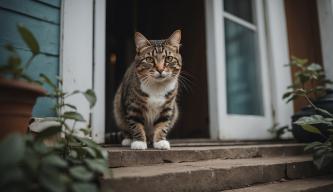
243, 79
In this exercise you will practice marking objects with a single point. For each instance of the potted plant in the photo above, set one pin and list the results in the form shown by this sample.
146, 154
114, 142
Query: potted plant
71, 163
309, 83
18, 92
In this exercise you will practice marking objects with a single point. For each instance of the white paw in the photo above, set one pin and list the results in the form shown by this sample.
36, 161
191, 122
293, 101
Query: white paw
138, 145
126, 142
163, 144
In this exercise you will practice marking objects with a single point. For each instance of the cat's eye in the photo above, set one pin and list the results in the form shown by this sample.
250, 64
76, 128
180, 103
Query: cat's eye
169, 59
149, 60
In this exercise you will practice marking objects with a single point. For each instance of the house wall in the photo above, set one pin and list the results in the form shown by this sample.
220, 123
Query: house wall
42, 17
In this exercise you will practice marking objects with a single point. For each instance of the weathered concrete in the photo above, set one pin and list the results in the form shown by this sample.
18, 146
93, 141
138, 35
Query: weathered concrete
210, 175
122, 156
317, 184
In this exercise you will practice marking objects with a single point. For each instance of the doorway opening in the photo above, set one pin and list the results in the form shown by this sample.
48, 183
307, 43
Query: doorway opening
157, 20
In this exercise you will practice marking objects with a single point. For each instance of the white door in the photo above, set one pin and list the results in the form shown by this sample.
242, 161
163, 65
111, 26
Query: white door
240, 101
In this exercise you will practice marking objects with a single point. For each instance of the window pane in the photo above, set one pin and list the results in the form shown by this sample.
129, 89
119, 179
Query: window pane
239, 8
243, 74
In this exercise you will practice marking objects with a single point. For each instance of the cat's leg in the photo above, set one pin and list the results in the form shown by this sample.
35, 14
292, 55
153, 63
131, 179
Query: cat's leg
160, 133
162, 125
138, 134
139, 137
127, 139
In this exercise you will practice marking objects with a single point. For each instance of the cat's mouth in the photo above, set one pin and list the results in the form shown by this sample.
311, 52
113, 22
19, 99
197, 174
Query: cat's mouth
161, 76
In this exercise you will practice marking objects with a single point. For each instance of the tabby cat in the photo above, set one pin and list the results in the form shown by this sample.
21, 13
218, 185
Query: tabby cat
145, 105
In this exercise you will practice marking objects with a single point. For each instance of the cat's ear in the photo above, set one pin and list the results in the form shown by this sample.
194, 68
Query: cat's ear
140, 41
174, 39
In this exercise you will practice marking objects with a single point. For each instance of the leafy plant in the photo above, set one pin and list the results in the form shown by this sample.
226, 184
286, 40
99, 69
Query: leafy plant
322, 151
14, 68
72, 163
312, 74
306, 74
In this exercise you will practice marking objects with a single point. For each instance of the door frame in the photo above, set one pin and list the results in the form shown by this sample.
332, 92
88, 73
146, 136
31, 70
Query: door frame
222, 125
82, 57
325, 16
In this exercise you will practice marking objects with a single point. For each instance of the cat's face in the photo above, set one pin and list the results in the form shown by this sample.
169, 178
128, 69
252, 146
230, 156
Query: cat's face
158, 60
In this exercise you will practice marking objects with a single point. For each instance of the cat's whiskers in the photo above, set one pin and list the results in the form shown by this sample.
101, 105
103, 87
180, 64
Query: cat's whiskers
185, 83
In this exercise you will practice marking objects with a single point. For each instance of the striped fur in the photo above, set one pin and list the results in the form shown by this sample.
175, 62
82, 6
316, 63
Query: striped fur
145, 105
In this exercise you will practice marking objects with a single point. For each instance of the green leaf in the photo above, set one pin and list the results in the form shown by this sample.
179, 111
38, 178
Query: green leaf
314, 119
81, 173
286, 95
312, 145
71, 106
73, 115
91, 97
52, 180
85, 131
314, 67
48, 132
84, 187
323, 160
29, 39
88, 142
73, 93
294, 97
97, 165
55, 160
90, 151
47, 81
311, 129
12, 150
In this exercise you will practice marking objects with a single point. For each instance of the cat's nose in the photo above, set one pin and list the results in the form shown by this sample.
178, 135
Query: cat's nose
160, 67
160, 70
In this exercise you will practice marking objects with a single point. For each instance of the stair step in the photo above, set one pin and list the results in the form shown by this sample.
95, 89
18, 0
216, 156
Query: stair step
316, 184
123, 156
209, 175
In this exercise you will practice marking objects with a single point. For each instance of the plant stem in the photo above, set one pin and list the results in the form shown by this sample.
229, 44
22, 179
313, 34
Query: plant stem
29, 61
314, 106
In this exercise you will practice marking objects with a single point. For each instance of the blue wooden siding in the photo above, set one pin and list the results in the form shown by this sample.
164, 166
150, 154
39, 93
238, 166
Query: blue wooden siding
42, 17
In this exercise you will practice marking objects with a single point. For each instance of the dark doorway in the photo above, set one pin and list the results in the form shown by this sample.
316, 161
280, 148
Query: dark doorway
157, 20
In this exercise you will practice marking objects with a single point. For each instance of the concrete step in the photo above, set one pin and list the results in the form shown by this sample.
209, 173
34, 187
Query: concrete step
123, 156
316, 184
209, 175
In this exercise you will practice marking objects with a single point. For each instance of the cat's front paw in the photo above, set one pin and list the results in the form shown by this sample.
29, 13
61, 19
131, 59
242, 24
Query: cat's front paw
126, 142
138, 145
163, 144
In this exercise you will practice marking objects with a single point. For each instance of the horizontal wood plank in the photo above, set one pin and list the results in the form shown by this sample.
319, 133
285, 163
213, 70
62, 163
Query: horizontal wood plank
54, 3
47, 34
33, 9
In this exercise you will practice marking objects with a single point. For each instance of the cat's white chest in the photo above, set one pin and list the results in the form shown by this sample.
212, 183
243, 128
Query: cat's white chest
156, 99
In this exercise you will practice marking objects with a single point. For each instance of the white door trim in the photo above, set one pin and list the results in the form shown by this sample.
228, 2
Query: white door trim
325, 15
277, 43
215, 59
98, 113
278, 56
83, 57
